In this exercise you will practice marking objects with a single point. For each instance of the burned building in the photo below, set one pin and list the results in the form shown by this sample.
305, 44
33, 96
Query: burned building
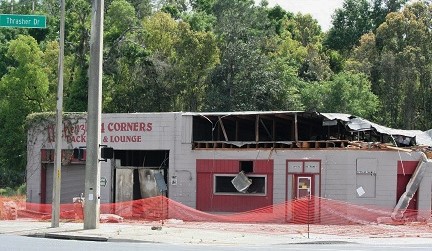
239, 161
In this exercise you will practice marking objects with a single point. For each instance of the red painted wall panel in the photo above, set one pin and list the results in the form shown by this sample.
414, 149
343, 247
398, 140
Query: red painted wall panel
405, 171
402, 182
208, 201
204, 186
408, 167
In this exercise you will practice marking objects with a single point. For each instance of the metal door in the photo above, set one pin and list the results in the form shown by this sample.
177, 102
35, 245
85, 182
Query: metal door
72, 183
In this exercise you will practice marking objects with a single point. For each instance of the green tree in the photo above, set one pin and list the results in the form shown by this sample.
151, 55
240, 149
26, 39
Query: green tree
381, 8
200, 20
278, 18
159, 67
77, 37
306, 30
143, 8
364, 56
245, 78
119, 20
23, 90
346, 92
174, 6
127, 66
404, 41
355, 18
196, 56
5, 36
120, 25
161, 34
145, 75
348, 24
287, 60
203, 5
398, 61
316, 66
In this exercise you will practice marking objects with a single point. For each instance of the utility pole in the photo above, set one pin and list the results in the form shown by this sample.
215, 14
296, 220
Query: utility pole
55, 218
92, 171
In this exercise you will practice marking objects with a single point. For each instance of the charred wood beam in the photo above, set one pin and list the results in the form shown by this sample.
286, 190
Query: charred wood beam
285, 117
223, 128
257, 118
236, 129
274, 129
265, 128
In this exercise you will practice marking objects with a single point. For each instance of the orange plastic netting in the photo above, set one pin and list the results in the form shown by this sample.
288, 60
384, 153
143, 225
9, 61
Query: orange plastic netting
326, 215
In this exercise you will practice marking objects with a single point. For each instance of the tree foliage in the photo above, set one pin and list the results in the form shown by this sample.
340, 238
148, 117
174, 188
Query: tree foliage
23, 90
358, 17
345, 92
398, 60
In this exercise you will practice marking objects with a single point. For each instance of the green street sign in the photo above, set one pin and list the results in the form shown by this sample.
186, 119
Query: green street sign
22, 21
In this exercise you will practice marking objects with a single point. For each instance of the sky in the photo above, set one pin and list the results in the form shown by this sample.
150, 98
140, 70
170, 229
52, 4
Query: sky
321, 10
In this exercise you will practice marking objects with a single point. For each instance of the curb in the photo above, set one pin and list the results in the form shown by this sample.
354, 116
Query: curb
74, 237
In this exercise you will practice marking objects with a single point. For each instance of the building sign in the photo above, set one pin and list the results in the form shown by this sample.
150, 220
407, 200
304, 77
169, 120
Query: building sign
112, 132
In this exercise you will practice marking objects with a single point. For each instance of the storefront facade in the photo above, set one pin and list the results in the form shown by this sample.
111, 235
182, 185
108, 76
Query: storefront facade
285, 155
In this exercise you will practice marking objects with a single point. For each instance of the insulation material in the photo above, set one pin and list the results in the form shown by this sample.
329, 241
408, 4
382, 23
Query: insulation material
241, 182
148, 186
160, 182
124, 185
110, 218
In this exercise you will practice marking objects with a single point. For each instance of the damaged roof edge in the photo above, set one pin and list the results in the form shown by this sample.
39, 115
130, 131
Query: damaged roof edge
360, 124
239, 113
355, 123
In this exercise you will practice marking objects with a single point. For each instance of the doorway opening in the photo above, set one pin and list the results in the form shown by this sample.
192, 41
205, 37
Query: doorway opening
135, 171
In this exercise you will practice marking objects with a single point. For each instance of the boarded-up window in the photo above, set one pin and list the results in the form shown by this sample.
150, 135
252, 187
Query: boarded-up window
366, 178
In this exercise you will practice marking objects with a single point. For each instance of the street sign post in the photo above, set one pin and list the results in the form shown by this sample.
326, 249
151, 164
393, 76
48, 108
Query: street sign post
22, 21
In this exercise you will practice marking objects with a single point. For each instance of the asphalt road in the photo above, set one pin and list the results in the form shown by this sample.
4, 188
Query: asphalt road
12, 243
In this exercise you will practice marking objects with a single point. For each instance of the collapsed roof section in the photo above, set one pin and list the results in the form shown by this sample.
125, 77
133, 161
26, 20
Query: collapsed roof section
416, 137
296, 129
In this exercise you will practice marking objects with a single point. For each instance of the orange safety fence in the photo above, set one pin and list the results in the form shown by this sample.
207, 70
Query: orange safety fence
327, 216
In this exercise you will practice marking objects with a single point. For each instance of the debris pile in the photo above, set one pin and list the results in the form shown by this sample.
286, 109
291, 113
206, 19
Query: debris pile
8, 210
